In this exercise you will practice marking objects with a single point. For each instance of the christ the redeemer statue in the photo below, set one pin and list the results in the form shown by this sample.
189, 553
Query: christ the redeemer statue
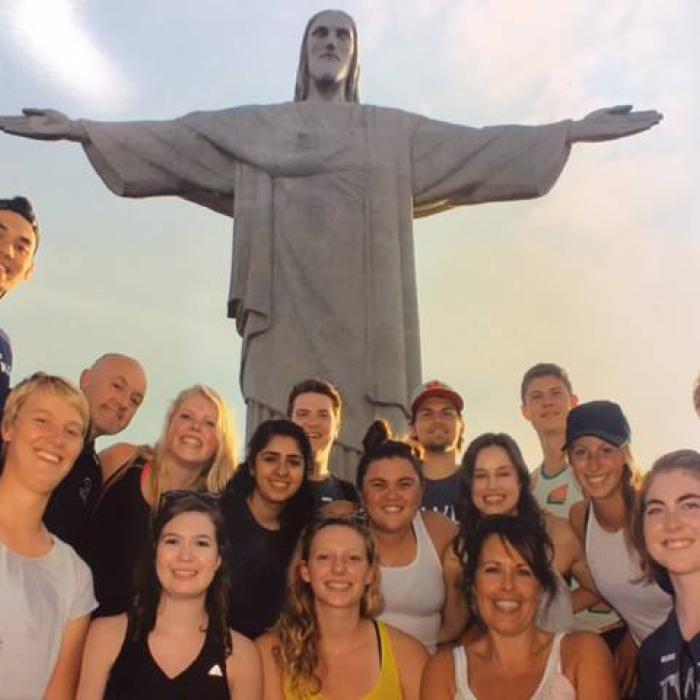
323, 191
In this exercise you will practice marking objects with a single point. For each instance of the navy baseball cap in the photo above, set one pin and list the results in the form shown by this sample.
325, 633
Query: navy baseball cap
601, 419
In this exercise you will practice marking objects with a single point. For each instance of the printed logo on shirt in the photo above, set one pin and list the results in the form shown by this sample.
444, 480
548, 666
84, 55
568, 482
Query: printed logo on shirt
84, 490
666, 658
215, 670
557, 496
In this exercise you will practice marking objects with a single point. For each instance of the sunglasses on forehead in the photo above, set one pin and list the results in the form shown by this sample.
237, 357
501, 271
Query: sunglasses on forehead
176, 495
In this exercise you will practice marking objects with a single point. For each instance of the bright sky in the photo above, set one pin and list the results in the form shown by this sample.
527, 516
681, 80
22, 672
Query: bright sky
600, 276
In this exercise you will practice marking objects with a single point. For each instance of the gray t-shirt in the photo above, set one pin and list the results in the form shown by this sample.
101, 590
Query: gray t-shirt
38, 598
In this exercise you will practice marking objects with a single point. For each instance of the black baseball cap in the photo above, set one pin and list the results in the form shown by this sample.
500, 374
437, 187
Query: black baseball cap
601, 419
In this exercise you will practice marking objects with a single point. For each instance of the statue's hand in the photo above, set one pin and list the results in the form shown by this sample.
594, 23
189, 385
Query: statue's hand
44, 124
612, 123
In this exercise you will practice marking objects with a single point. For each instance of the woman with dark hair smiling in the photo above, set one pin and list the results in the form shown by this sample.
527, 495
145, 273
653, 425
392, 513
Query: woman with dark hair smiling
175, 642
667, 533
266, 505
507, 571
496, 481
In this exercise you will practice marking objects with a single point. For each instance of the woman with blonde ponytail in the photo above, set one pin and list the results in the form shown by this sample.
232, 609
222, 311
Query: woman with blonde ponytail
327, 643
195, 452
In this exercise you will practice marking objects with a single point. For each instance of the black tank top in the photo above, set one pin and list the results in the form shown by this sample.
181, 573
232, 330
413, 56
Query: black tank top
136, 676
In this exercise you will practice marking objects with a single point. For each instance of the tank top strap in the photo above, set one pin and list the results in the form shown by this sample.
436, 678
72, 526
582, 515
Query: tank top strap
459, 657
389, 683
424, 542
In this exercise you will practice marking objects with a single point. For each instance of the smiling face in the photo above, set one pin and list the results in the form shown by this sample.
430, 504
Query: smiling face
337, 567
495, 484
193, 436
598, 465
437, 425
316, 415
278, 471
391, 493
547, 403
672, 521
17, 246
114, 387
187, 555
329, 48
43, 441
507, 593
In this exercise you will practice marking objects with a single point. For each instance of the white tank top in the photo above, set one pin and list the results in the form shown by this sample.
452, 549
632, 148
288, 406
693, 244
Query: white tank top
556, 613
618, 576
553, 686
415, 594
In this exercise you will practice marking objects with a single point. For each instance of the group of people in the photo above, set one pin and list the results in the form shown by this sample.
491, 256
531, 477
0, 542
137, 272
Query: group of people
172, 571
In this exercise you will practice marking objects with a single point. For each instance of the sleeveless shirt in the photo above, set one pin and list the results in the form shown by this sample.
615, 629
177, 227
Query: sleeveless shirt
388, 685
415, 594
618, 576
135, 674
553, 686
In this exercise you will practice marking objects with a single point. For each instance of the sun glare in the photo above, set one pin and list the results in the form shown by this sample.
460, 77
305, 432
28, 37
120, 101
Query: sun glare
52, 36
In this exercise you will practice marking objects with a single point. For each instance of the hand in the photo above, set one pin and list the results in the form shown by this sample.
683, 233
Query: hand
626, 666
44, 124
612, 123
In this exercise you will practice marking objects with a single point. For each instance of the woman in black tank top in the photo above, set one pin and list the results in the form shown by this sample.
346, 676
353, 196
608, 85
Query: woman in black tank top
175, 642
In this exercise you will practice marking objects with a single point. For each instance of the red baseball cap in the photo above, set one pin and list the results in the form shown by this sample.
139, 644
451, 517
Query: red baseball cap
435, 388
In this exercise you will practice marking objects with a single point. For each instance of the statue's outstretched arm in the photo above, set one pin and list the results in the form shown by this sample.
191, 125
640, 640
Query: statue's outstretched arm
612, 123
44, 124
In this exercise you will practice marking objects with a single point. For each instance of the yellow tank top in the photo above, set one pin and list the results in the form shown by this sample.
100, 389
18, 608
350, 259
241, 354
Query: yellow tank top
388, 685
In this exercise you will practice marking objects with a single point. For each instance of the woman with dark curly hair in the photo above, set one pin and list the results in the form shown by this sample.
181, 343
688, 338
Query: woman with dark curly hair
496, 481
327, 644
507, 572
175, 641
266, 505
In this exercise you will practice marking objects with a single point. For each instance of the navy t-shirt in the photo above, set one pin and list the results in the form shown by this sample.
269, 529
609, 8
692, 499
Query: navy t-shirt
440, 495
669, 666
5, 367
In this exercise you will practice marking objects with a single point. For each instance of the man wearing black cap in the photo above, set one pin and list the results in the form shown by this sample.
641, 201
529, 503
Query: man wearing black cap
437, 425
19, 238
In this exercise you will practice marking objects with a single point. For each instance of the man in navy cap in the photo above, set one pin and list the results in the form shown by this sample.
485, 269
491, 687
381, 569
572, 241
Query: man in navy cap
437, 425
19, 238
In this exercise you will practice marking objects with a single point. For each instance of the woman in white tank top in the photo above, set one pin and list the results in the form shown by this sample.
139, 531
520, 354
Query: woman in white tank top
496, 481
507, 572
421, 598
597, 443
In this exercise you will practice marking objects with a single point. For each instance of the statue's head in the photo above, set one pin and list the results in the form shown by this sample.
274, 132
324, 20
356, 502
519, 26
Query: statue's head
328, 55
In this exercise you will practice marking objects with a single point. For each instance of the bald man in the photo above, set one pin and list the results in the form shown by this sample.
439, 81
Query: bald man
115, 387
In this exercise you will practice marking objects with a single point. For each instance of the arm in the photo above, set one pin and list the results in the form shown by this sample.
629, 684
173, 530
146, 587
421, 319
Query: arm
115, 456
612, 123
45, 125
64, 678
104, 640
625, 658
587, 664
455, 613
437, 682
411, 658
271, 672
243, 669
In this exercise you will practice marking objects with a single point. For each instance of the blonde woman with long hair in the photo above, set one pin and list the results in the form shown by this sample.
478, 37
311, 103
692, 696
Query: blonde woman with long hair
327, 643
598, 448
194, 453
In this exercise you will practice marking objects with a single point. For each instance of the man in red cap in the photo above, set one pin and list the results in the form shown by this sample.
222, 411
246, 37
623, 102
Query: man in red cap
437, 425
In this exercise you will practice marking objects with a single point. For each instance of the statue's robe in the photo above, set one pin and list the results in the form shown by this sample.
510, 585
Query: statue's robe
323, 195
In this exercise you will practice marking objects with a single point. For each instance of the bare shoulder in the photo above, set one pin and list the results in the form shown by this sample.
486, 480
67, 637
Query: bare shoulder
438, 677
440, 528
582, 648
114, 456
265, 643
561, 530
442, 663
407, 649
577, 517
244, 650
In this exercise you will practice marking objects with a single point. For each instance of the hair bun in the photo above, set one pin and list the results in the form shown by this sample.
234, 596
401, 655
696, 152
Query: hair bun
377, 433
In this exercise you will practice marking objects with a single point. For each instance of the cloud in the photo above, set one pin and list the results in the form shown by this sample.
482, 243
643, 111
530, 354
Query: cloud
53, 37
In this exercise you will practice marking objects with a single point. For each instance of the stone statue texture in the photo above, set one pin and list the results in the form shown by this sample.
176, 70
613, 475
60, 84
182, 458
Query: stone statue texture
323, 191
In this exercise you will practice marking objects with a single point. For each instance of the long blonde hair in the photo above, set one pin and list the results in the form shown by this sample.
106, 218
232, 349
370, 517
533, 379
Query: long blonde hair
297, 653
215, 475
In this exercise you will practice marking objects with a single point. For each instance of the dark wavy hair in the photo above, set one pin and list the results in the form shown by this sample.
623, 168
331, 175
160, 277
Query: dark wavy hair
379, 443
299, 508
519, 534
468, 514
142, 615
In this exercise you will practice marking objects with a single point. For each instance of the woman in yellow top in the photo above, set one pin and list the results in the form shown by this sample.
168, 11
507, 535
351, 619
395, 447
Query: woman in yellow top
327, 644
